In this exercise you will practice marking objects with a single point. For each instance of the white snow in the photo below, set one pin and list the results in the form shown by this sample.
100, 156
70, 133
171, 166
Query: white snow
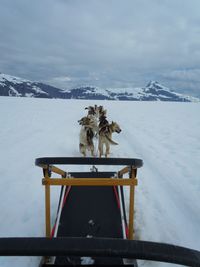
152, 85
13, 79
13, 91
165, 135
132, 92
38, 90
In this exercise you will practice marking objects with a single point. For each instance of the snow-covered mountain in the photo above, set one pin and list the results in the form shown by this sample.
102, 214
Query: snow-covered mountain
14, 86
152, 92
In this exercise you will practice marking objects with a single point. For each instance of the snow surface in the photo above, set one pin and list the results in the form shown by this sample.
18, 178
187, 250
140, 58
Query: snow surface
165, 135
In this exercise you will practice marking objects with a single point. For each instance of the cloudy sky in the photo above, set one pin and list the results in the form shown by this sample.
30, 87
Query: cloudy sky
107, 43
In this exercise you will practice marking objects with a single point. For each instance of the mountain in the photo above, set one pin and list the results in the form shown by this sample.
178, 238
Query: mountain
15, 86
154, 91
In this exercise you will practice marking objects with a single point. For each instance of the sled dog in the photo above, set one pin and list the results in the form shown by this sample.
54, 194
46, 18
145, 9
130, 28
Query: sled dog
86, 135
105, 135
101, 111
96, 111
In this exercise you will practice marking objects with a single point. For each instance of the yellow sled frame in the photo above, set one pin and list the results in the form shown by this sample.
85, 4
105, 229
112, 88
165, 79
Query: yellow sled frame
47, 181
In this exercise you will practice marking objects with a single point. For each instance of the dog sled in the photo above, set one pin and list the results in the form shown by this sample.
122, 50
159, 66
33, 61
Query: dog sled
91, 224
91, 204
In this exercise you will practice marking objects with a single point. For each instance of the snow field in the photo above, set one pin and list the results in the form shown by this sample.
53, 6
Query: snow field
164, 135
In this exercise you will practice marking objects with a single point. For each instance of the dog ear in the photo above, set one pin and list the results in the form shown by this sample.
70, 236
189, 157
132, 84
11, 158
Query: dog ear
81, 121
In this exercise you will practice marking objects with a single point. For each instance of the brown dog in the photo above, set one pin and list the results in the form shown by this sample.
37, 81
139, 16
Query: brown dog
105, 136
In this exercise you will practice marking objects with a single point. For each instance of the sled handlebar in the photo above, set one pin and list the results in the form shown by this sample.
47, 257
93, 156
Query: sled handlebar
99, 247
137, 163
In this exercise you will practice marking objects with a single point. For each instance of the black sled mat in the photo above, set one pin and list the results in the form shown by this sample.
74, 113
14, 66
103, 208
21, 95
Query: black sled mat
90, 211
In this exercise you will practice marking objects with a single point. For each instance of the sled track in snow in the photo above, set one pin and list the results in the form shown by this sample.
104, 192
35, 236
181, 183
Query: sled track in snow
170, 200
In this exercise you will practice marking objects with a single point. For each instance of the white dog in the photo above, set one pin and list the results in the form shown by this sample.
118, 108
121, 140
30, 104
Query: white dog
86, 135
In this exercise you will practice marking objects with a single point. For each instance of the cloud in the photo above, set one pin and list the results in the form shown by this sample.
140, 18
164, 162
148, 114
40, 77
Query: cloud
184, 75
102, 42
186, 80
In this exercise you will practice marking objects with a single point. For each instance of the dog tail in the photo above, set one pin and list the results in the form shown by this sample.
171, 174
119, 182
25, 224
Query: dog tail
111, 141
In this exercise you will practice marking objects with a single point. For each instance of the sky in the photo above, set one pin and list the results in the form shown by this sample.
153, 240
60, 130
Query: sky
106, 43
